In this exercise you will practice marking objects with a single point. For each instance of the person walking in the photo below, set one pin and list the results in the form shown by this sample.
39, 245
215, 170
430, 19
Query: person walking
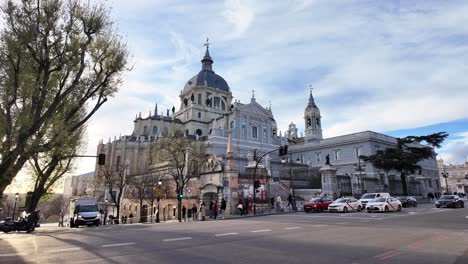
184, 212
202, 212
290, 200
211, 209
223, 208
215, 210
194, 211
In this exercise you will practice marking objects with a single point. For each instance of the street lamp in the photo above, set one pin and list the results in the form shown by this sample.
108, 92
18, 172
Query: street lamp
445, 175
14, 207
158, 198
360, 168
105, 212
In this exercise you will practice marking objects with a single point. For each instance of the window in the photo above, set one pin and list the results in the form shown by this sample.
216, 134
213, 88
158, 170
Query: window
458, 180
145, 130
155, 130
357, 151
243, 130
223, 106
254, 132
217, 102
317, 157
199, 115
199, 132
117, 163
264, 134
337, 154
232, 124
136, 208
199, 99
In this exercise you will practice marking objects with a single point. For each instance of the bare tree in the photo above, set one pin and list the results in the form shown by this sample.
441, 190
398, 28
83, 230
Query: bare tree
180, 158
115, 180
152, 191
56, 206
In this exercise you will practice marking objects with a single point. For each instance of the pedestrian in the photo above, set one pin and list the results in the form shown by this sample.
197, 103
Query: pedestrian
223, 208
245, 204
290, 200
250, 208
215, 210
272, 201
184, 212
194, 211
202, 212
72, 222
131, 218
211, 209
189, 214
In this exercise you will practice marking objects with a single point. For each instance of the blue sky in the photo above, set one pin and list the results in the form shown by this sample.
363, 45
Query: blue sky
397, 67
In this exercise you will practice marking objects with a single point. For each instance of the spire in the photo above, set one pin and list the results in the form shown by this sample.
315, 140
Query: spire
207, 61
311, 98
156, 109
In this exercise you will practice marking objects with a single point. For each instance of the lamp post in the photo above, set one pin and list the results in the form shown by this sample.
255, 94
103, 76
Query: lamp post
105, 212
14, 207
158, 198
360, 168
445, 175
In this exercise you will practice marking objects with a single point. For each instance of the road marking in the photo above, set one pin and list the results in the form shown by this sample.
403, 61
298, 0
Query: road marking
226, 234
119, 244
294, 227
176, 239
63, 250
411, 212
347, 217
12, 254
387, 255
416, 245
466, 216
439, 238
261, 230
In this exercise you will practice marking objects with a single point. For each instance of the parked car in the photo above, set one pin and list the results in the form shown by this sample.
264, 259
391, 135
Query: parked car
407, 201
317, 204
384, 205
450, 201
371, 196
344, 205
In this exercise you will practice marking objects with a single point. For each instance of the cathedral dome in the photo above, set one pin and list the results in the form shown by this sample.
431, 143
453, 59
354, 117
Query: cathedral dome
207, 77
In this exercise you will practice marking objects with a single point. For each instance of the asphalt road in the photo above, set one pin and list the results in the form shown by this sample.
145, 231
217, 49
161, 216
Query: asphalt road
416, 235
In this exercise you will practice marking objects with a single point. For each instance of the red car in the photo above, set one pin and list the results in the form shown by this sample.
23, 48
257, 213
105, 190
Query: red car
317, 204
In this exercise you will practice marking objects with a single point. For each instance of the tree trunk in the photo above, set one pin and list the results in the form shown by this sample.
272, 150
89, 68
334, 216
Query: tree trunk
141, 210
404, 186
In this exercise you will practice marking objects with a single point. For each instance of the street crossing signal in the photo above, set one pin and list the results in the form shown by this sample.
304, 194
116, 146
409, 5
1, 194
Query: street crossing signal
180, 196
283, 150
102, 159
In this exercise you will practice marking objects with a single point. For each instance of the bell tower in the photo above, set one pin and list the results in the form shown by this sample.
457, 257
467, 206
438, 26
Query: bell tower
313, 120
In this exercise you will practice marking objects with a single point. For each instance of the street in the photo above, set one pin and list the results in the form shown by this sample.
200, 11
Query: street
416, 235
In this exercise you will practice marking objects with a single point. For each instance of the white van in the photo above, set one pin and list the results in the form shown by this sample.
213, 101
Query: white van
371, 196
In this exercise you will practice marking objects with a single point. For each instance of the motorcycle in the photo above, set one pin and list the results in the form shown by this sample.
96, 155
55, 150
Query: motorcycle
26, 224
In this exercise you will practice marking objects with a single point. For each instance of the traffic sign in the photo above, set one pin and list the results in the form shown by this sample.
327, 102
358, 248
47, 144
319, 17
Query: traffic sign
189, 190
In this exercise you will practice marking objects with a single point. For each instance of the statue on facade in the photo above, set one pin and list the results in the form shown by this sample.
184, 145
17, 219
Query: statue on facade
327, 160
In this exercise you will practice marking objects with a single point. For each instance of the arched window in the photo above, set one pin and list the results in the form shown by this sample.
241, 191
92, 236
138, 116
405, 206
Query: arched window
145, 130
217, 101
155, 130
199, 132
223, 106
199, 99
117, 163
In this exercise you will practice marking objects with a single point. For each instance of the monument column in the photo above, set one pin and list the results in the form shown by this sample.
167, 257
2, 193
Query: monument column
231, 177
329, 180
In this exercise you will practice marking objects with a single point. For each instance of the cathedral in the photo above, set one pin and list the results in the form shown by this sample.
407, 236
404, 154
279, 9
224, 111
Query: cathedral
232, 131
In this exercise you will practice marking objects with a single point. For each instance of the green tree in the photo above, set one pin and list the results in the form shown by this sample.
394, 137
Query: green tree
57, 59
405, 157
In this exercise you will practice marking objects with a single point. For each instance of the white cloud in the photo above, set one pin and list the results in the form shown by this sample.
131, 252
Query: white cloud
455, 150
239, 14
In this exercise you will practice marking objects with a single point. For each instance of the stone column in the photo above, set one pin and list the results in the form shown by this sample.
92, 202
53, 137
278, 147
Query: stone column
329, 181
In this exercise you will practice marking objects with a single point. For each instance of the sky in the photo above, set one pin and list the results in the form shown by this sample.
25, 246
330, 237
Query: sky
395, 67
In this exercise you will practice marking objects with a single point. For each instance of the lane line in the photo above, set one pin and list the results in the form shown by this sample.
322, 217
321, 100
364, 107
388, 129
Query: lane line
390, 256
261, 231
176, 239
119, 244
12, 254
384, 254
293, 227
63, 250
226, 234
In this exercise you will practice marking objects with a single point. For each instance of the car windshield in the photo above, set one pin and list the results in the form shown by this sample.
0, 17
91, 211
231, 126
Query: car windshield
379, 200
447, 197
314, 200
87, 208
368, 196
341, 200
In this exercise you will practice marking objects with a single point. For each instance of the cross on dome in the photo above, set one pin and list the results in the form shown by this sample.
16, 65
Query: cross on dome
207, 43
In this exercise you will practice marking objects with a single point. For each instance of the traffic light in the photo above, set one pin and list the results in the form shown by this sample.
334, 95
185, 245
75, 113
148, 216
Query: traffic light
102, 159
283, 150
180, 196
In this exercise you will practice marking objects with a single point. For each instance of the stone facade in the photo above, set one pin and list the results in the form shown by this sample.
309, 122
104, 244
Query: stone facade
457, 177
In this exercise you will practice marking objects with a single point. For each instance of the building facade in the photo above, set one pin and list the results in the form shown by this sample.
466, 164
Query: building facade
232, 131
454, 178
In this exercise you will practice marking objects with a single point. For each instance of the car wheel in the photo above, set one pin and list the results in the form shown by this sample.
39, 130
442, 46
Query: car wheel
415, 204
399, 208
345, 209
359, 208
462, 205
386, 209
438, 206
320, 209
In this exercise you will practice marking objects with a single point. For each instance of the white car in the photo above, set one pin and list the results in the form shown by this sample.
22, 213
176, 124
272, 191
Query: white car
384, 205
345, 205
